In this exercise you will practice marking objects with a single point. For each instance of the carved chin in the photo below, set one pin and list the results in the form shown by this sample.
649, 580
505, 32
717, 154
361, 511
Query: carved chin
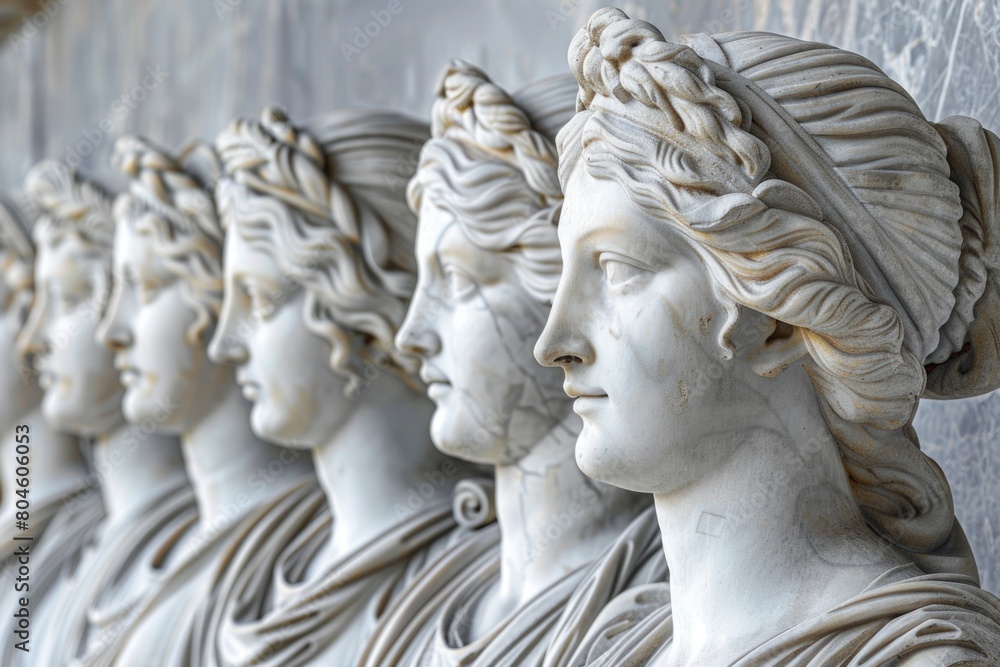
455, 438
600, 458
159, 411
278, 425
81, 417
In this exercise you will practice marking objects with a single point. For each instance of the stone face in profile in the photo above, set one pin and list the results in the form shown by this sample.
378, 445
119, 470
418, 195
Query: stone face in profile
488, 196
768, 252
51, 490
82, 394
19, 387
140, 474
167, 291
318, 273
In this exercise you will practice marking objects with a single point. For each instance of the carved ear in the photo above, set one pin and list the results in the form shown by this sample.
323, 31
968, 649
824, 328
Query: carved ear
782, 348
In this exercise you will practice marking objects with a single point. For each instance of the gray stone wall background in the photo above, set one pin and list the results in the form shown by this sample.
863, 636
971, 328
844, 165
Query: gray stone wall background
180, 69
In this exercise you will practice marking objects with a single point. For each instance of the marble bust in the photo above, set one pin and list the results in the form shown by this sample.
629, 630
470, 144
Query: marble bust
319, 269
62, 508
487, 194
164, 304
140, 473
769, 256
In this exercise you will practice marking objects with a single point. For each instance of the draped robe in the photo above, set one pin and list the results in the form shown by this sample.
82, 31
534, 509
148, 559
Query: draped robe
429, 627
61, 530
903, 618
276, 606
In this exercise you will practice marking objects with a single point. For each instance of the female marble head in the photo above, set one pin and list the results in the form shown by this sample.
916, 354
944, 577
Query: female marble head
168, 287
318, 263
73, 238
787, 203
487, 194
17, 254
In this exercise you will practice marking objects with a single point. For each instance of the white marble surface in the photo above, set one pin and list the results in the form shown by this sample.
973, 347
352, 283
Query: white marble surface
946, 53
65, 80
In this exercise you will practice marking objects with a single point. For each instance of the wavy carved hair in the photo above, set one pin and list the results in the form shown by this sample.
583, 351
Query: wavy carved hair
17, 252
69, 205
767, 246
327, 201
169, 200
493, 165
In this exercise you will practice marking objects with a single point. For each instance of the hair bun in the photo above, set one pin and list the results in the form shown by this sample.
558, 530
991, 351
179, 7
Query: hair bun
967, 360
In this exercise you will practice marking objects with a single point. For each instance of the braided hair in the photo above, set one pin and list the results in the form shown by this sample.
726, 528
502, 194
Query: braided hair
169, 200
325, 200
817, 250
70, 204
491, 165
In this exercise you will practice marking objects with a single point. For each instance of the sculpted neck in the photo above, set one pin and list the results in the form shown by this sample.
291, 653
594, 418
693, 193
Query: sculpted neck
56, 463
134, 468
230, 469
773, 538
373, 467
553, 518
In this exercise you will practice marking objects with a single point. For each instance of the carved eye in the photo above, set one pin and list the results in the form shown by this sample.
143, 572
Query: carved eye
458, 284
147, 293
618, 271
65, 299
260, 302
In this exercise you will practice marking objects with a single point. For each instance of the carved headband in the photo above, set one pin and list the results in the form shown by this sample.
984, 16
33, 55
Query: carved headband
966, 358
487, 116
63, 196
177, 188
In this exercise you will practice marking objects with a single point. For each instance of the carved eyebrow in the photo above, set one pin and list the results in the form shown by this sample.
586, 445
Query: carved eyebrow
589, 235
248, 281
250, 271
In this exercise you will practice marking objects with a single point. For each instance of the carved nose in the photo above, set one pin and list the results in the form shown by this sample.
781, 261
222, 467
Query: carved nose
419, 341
567, 359
553, 349
30, 342
226, 348
422, 343
116, 338
114, 335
